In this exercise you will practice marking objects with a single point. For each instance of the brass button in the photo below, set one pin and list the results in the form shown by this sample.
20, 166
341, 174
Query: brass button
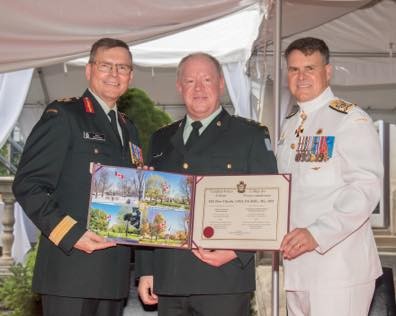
293, 146
218, 123
96, 151
229, 166
185, 165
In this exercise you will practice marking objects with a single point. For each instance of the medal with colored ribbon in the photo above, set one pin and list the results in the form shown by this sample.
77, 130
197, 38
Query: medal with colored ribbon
300, 129
136, 155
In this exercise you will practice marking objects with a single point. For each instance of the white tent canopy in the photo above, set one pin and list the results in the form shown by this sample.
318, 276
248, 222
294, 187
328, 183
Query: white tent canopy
38, 33
362, 45
228, 38
43, 33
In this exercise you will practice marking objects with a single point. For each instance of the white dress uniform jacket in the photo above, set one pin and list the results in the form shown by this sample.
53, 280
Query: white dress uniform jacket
332, 198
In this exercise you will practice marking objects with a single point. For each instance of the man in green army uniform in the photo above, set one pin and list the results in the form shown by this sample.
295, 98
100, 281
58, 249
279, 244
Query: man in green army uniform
78, 272
207, 141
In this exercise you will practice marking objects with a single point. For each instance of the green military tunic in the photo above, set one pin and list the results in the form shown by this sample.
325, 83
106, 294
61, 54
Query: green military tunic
229, 145
53, 185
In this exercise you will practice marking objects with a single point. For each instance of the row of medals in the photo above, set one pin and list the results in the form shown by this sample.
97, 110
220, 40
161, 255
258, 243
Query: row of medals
312, 149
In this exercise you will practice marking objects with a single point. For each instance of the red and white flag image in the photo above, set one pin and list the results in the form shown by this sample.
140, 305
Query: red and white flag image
119, 174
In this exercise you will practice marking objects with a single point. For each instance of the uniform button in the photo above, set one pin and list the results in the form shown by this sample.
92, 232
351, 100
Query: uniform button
229, 166
185, 165
218, 123
96, 151
293, 146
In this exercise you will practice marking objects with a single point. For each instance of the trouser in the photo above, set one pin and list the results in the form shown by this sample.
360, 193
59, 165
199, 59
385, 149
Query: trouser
70, 306
348, 301
205, 305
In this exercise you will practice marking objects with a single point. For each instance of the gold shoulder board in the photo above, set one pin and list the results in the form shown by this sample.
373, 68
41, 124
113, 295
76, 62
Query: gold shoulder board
341, 106
66, 99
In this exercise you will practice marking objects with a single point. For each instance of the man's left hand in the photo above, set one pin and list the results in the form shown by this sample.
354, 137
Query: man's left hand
297, 242
214, 258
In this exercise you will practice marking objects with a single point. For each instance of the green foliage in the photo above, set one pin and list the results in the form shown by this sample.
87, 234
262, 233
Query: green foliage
142, 111
15, 291
98, 220
155, 185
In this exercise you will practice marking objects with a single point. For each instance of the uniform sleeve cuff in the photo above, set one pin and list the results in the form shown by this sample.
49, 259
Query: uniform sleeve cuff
315, 234
71, 238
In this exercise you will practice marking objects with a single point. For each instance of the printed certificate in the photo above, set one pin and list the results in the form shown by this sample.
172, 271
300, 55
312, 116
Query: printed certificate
162, 209
241, 212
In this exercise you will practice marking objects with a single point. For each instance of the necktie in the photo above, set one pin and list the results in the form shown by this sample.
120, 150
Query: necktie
113, 122
194, 135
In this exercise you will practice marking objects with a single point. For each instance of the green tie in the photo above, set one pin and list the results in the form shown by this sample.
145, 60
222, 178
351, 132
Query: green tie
194, 135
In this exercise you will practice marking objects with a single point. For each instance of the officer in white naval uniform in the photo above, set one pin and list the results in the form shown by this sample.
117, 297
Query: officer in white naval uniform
332, 150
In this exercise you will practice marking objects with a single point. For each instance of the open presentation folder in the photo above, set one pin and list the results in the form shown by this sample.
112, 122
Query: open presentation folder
162, 209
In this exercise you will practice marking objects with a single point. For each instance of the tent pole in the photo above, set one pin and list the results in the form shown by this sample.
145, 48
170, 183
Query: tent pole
277, 79
43, 85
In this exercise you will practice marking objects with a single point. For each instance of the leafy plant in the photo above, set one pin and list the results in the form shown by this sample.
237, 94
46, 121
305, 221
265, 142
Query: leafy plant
143, 112
16, 297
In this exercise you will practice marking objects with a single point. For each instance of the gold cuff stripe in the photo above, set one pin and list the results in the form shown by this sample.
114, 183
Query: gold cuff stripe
62, 229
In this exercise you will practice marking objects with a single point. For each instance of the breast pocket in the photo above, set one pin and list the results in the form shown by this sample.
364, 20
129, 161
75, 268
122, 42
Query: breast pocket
94, 151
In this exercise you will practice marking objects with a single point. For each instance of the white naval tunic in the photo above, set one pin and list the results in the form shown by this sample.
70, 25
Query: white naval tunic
333, 199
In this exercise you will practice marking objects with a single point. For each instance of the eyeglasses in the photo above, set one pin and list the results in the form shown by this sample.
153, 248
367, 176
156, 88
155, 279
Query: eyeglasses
122, 69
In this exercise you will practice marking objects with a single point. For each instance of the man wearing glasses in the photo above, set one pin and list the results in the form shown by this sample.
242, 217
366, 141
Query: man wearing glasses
78, 272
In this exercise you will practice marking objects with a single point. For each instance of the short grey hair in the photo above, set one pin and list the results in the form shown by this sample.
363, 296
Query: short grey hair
209, 57
107, 43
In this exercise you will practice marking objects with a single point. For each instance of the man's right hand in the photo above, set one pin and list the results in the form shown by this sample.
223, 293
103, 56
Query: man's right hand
145, 290
89, 242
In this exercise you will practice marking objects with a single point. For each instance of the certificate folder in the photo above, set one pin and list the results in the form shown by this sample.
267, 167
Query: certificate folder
162, 209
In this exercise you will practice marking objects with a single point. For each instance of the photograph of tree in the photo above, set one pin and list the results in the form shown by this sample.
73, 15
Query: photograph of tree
140, 207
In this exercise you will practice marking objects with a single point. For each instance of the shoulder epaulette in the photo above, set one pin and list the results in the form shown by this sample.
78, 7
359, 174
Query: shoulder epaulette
248, 121
67, 99
293, 111
341, 106
177, 123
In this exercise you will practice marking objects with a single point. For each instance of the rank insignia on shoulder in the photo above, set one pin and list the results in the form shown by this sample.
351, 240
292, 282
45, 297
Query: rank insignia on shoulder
55, 111
66, 99
341, 106
293, 111
248, 120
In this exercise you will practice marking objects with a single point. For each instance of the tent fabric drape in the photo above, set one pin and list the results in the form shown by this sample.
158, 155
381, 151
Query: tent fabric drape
51, 32
13, 90
238, 85
30, 115
229, 39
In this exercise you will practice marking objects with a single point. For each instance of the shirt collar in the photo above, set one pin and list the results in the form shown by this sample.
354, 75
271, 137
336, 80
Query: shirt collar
206, 121
324, 98
103, 104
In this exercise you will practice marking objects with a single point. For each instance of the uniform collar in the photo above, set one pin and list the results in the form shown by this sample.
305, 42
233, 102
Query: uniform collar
205, 123
323, 99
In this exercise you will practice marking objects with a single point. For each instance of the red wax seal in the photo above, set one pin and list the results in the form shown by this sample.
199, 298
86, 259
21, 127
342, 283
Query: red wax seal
208, 231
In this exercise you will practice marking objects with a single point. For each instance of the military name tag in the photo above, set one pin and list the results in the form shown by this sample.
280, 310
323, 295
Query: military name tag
94, 136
